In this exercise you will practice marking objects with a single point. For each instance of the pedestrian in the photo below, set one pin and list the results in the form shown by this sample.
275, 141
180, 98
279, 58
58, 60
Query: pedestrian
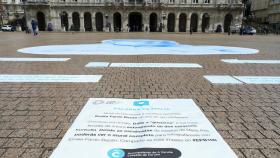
72, 28
229, 31
191, 31
241, 31
34, 27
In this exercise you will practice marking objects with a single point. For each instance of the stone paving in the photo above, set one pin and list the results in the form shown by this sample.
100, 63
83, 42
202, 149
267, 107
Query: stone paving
35, 116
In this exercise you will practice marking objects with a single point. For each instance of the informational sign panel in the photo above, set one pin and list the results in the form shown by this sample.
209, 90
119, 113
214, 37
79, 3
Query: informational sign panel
225, 79
237, 61
150, 128
259, 79
97, 64
50, 78
222, 79
158, 65
35, 59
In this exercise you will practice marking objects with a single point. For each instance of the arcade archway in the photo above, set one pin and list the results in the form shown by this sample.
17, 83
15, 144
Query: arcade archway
182, 22
194, 22
87, 21
227, 22
99, 21
171, 22
117, 22
205, 22
135, 22
153, 22
64, 20
41, 21
76, 21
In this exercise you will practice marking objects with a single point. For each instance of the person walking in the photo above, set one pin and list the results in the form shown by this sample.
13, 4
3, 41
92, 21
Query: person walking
34, 27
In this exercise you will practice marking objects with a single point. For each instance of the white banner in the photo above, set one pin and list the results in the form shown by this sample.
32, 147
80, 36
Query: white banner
150, 128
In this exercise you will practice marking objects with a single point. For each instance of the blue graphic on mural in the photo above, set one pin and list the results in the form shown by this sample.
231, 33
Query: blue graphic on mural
116, 153
136, 47
141, 103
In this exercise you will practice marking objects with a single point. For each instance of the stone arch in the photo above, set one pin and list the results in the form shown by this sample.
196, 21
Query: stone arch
76, 21
153, 22
135, 21
99, 21
171, 22
117, 18
182, 22
205, 22
227, 22
87, 21
41, 21
64, 20
194, 22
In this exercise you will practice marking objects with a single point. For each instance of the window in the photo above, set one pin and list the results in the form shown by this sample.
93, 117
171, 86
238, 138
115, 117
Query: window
171, 1
194, 1
183, 1
206, 1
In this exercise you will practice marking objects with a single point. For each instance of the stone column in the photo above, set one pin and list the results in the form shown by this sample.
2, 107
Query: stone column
82, 22
54, 19
212, 25
164, 22
93, 22
146, 22
105, 21
199, 23
110, 19
188, 22
125, 22
176, 23
70, 22
29, 17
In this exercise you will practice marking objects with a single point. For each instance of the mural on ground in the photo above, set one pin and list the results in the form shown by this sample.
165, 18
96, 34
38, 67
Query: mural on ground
49, 78
136, 47
150, 128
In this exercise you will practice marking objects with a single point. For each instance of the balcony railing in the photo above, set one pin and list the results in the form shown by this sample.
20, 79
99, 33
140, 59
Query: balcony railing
148, 3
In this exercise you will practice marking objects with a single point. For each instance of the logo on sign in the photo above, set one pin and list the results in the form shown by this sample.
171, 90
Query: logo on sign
141, 103
116, 153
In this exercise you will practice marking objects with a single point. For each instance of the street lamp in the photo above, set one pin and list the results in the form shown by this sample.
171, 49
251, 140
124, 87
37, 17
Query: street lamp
1, 16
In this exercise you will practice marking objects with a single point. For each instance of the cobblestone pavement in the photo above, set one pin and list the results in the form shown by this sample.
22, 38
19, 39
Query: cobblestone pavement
35, 116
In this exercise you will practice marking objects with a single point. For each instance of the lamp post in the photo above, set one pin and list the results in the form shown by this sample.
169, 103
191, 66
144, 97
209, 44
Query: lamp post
1, 16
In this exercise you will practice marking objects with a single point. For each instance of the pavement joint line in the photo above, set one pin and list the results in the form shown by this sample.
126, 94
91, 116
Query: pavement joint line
239, 80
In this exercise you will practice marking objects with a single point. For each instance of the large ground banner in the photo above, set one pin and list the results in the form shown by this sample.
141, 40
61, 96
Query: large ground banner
145, 128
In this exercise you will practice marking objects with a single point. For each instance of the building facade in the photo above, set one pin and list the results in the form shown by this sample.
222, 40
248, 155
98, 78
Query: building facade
267, 12
11, 12
135, 15
260, 10
274, 15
